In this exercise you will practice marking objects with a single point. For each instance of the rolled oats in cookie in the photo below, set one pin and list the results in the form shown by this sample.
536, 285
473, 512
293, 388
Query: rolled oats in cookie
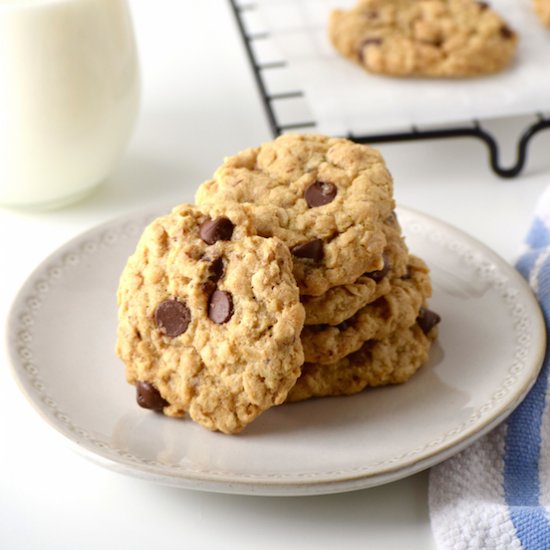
392, 360
326, 198
542, 9
399, 308
342, 302
209, 318
433, 38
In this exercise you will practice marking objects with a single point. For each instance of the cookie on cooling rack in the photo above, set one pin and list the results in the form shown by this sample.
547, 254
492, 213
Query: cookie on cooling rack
434, 38
542, 9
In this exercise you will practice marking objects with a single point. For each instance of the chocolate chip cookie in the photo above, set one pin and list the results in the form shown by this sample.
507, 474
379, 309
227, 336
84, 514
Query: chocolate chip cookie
434, 38
209, 318
325, 198
542, 9
392, 360
399, 308
342, 302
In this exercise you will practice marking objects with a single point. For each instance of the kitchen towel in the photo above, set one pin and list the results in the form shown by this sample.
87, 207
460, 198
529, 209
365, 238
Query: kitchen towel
496, 493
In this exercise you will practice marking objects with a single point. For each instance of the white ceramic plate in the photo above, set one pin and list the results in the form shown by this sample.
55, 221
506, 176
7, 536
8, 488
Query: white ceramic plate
61, 339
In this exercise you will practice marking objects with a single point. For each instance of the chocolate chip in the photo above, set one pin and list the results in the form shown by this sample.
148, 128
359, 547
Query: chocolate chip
506, 32
219, 229
173, 317
216, 270
220, 307
427, 319
312, 250
148, 397
320, 193
378, 275
208, 287
344, 325
482, 5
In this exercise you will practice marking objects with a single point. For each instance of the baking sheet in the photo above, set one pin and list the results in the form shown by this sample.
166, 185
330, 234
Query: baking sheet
343, 98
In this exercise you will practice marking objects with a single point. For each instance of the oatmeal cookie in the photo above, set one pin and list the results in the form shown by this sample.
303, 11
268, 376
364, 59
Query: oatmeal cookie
542, 9
209, 318
397, 309
434, 38
392, 360
329, 197
342, 302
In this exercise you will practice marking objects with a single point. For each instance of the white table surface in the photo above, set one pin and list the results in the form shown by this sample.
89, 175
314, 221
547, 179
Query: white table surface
200, 104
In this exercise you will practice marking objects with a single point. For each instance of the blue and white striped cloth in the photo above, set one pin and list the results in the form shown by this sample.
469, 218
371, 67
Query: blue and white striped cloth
496, 493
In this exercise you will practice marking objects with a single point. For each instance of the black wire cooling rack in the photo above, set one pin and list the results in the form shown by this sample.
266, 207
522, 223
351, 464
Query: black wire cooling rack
272, 104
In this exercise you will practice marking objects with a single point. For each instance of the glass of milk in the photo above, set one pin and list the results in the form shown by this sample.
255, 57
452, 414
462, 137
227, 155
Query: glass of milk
69, 96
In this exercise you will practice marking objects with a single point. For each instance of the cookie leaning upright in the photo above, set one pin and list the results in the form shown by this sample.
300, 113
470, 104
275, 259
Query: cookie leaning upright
436, 38
326, 198
209, 318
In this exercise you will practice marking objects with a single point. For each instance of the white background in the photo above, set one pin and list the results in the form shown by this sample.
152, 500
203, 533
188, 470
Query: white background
199, 104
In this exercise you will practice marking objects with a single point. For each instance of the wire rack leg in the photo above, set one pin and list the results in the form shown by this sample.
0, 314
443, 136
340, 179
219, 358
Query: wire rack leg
477, 132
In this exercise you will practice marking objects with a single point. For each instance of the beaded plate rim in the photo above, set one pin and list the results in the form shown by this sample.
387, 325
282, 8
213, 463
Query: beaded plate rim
521, 373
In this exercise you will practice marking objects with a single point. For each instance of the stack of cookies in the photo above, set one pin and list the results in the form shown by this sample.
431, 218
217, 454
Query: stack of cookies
288, 279
331, 202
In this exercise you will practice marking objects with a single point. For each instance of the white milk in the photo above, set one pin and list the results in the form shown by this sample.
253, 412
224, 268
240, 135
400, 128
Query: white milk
69, 94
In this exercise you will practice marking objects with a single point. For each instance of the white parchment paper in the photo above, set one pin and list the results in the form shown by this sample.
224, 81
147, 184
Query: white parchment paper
344, 98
